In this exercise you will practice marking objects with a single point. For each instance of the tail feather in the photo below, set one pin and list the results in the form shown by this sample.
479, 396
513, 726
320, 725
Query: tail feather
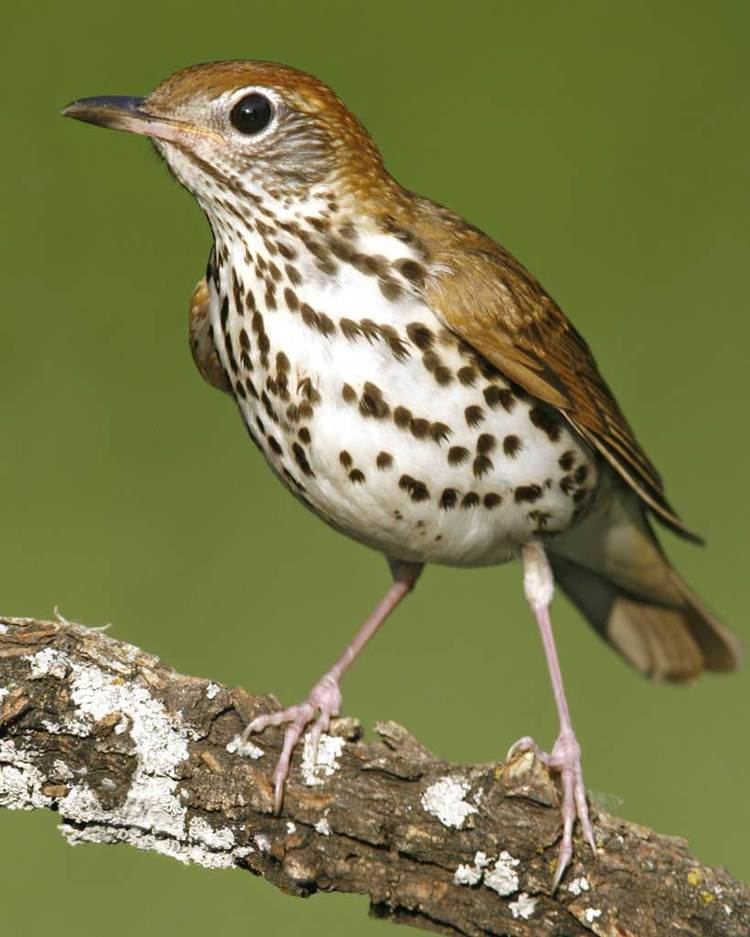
614, 570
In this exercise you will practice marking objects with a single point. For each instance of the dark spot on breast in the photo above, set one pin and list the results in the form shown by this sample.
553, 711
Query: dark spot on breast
394, 341
230, 353
291, 299
342, 250
547, 421
389, 288
298, 485
350, 329
326, 325
527, 493
236, 291
244, 340
411, 270
470, 500
274, 444
419, 428
250, 387
268, 406
439, 432
482, 465
346, 459
499, 397
305, 410
282, 362
418, 491
274, 272
512, 445
250, 301
372, 404
240, 390
348, 393
443, 375
370, 330
467, 376
301, 459
356, 477
309, 315
264, 346
293, 275
320, 224
304, 436
492, 500
430, 360
420, 335
402, 417
286, 250
581, 473
224, 313
567, 484
448, 499
457, 455
486, 443
541, 519
291, 413
567, 460
308, 389
384, 460
474, 416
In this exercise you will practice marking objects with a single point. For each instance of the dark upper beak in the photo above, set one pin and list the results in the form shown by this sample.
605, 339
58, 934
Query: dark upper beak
123, 113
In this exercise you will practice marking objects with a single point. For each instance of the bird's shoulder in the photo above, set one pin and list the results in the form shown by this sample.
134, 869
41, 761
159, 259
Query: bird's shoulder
201, 339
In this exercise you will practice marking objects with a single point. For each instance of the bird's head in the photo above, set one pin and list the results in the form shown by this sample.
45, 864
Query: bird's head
235, 132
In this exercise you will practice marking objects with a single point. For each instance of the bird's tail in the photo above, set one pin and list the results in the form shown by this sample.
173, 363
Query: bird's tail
613, 569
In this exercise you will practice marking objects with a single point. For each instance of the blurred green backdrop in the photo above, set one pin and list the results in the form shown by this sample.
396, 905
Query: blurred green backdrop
607, 145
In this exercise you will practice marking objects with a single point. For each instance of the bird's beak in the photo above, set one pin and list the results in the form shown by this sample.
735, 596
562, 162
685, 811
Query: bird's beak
123, 113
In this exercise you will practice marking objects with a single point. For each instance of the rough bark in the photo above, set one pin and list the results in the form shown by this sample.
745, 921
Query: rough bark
127, 750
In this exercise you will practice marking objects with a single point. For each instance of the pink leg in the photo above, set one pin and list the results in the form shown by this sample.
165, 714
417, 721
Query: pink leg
325, 696
565, 756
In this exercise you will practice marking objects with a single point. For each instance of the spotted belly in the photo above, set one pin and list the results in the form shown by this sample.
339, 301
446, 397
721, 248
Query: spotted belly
406, 440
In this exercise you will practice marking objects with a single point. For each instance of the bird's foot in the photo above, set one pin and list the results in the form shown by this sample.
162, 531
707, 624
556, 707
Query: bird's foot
565, 758
325, 700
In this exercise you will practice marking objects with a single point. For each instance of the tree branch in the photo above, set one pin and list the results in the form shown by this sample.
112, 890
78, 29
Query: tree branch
127, 750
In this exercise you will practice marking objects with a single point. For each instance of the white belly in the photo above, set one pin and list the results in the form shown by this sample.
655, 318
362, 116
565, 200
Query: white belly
385, 426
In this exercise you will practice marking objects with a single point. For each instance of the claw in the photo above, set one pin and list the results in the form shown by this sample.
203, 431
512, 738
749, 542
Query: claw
565, 758
325, 700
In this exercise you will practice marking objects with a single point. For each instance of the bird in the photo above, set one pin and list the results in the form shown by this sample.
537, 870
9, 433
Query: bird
412, 384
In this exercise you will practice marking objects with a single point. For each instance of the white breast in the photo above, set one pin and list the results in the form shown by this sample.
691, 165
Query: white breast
363, 406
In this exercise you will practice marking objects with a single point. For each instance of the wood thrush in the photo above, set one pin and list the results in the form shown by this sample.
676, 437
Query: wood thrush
411, 383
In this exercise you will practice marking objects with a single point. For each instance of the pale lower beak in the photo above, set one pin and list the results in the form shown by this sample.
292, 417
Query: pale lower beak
124, 113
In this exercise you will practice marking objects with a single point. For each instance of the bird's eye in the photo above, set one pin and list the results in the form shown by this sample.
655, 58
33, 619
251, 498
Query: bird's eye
251, 114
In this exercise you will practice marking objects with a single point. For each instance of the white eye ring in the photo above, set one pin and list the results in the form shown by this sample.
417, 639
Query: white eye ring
252, 113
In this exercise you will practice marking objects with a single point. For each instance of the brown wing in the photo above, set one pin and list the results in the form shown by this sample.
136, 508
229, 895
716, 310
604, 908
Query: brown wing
495, 305
201, 340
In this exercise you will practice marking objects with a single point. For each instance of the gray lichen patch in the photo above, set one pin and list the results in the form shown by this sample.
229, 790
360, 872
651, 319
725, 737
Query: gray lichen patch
445, 800
21, 781
120, 781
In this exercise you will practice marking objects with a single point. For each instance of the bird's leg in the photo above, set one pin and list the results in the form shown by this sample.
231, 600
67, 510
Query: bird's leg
325, 697
565, 756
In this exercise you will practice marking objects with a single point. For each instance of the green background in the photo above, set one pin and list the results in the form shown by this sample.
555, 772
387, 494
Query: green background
605, 144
